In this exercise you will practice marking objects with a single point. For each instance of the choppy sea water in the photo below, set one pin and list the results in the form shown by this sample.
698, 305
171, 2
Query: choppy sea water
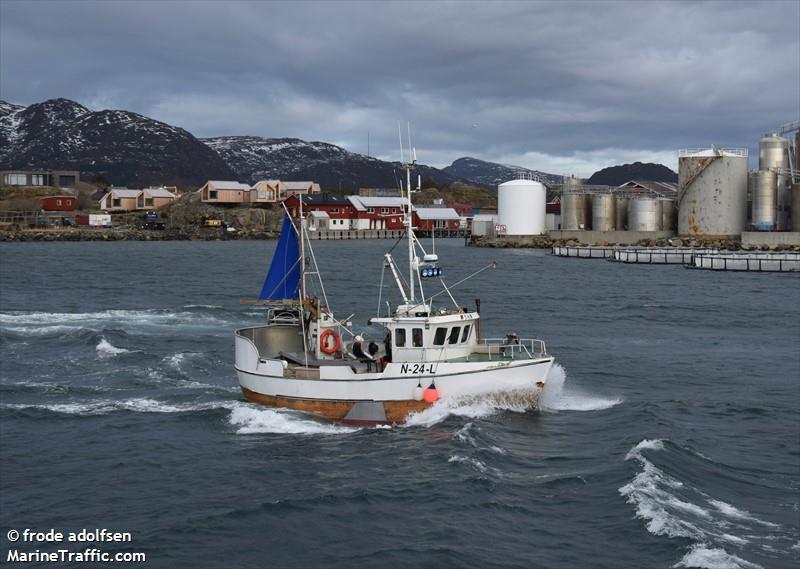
669, 434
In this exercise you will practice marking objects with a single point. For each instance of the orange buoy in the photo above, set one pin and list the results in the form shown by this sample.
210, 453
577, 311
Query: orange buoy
323, 341
431, 394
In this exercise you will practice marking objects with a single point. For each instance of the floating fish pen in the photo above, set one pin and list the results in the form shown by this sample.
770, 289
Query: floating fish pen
584, 252
662, 256
754, 262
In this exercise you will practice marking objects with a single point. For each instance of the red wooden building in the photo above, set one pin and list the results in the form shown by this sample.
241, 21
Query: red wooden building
336, 210
439, 218
378, 212
59, 203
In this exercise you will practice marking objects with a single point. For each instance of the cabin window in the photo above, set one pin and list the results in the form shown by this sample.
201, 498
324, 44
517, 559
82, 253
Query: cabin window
441, 334
58, 202
334, 210
384, 210
212, 194
37, 180
116, 202
416, 337
15, 179
454, 332
400, 337
465, 335
370, 210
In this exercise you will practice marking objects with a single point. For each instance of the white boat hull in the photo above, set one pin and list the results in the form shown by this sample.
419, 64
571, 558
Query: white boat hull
339, 392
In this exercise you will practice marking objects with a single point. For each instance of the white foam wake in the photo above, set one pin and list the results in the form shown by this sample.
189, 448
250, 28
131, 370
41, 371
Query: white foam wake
249, 419
105, 349
34, 322
705, 557
245, 417
106, 406
666, 505
557, 397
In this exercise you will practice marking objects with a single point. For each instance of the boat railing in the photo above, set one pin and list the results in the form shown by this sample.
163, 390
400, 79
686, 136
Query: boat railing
526, 348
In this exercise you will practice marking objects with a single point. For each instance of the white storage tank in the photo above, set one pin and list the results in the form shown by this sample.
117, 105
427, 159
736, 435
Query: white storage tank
521, 207
712, 194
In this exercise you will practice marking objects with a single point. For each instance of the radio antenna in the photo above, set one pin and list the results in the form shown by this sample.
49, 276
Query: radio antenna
400, 136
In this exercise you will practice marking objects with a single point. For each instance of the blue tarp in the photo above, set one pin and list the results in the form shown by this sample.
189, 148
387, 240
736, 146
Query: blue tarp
283, 278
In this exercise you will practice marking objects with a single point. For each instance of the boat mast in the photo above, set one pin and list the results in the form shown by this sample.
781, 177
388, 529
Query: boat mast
409, 221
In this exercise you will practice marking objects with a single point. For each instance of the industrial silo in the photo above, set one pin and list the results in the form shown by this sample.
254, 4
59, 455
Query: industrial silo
764, 190
712, 195
576, 205
521, 207
773, 154
604, 212
644, 214
667, 214
576, 211
621, 217
796, 206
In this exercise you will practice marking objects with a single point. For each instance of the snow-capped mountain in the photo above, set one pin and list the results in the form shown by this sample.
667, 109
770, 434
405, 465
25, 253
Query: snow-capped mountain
123, 147
254, 158
491, 173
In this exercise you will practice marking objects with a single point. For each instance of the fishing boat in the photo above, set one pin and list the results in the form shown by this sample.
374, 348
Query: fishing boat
304, 358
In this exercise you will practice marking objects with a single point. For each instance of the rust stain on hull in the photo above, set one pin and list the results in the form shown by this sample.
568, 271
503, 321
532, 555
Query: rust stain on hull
396, 411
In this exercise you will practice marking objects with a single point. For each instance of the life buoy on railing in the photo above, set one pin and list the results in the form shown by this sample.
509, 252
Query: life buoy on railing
323, 341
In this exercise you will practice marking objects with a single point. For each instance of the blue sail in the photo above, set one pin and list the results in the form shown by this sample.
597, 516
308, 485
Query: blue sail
283, 278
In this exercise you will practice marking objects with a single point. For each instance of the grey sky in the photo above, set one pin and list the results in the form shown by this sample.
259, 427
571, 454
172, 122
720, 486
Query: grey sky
560, 87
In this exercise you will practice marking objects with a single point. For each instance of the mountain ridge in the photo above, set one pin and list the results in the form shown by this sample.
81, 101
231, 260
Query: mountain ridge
122, 147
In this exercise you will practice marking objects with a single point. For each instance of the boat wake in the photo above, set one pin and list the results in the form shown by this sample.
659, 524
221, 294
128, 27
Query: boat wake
554, 397
249, 419
676, 509
558, 397
107, 406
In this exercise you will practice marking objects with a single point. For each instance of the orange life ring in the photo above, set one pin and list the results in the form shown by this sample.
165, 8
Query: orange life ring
323, 344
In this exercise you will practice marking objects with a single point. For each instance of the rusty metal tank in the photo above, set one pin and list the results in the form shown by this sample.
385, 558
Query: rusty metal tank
773, 154
576, 211
763, 186
712, 194
667, 214
604, 212
621, 217
644, 214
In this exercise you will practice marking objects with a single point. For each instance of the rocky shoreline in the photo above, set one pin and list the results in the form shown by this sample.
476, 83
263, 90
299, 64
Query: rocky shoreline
545, 242
126, 234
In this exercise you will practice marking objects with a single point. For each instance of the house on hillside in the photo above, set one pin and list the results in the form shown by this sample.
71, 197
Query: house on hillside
224, 192
154, 198
266, 191
55, 178
59, 203
119, 199
289, 189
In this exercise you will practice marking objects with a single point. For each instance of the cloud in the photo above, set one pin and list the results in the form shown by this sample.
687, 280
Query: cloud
572, 85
